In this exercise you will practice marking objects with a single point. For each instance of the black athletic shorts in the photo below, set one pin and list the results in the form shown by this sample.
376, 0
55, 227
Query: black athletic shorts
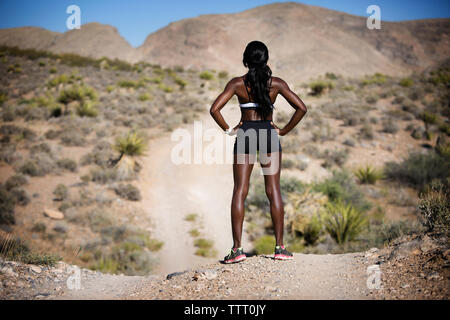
257, 135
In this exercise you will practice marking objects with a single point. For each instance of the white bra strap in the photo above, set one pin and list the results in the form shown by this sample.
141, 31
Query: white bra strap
248, 104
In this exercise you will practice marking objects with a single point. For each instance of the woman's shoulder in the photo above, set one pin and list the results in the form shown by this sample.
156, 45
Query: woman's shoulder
278, 83
236, 80
277, 80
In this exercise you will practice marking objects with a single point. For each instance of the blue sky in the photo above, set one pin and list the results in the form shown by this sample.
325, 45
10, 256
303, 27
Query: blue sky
135, 19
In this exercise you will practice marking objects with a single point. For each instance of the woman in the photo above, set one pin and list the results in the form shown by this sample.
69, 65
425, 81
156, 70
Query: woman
257, 91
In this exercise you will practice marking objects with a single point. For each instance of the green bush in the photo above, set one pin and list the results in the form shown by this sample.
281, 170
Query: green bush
7, 204
178, 69
17, 250
428, 118
406, 82
318, 87
67, 164
165, 88
56, 81
313, 230
440, 76
379, 235
205, 248
3, 98
15, 181
61, 192
14, 68
368, 175
38, 165
194, 233
103, 176
377, 79
128, 192
206, 75
418, 169
372, 99
389, 126
336, 157
131, 144
343, 222
79, 93
264, 245
223, 75
144, 97
341, 186
191, 217
366, 132
39, 227
87, 109
331, 76
125, 83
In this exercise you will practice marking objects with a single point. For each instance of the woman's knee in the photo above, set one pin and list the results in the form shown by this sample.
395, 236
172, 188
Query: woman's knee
272, 192
241, 191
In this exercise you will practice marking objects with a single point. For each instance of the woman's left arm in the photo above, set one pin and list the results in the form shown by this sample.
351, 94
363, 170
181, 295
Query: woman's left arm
220, 102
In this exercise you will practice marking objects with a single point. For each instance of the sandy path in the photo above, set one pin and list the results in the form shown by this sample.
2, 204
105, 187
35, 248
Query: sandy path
308, 276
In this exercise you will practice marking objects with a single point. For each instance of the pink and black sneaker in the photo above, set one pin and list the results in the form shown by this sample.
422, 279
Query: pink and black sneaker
236, 255
282, 254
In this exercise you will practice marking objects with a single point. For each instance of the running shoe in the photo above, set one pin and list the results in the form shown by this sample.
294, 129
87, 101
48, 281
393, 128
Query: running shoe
235, 255
282, 254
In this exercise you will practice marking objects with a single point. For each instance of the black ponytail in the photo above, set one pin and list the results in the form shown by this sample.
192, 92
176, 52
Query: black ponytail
259, 76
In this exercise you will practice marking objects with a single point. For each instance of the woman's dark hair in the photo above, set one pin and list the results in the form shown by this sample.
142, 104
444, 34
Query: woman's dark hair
258, 77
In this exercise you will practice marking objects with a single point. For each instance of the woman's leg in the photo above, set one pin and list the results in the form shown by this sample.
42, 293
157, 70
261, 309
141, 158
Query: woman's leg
241, 175
273, 192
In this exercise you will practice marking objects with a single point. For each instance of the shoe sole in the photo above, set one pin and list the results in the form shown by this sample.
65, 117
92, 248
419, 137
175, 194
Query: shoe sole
235, 260
282, 257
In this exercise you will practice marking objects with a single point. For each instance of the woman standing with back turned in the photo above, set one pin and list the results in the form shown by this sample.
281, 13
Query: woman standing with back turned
257, 91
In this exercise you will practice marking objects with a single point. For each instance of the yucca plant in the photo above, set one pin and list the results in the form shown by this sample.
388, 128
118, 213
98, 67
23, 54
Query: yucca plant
368, 175
343, 222
131, 145
82, 94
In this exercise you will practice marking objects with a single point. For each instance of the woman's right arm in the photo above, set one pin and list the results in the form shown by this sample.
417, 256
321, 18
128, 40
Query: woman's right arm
220, 102
295, 102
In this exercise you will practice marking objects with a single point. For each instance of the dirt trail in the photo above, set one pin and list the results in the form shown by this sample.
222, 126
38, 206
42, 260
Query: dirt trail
308, 276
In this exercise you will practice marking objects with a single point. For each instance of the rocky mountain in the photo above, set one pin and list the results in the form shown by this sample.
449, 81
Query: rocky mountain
303, 40
93, 39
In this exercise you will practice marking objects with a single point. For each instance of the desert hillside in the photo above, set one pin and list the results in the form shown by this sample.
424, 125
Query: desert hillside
92, 40
303, 41
87, 174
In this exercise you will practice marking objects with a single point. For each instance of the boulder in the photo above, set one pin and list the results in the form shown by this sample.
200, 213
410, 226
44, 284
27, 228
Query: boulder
53, 214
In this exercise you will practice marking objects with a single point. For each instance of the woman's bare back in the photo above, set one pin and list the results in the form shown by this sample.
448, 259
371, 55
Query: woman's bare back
244, 95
